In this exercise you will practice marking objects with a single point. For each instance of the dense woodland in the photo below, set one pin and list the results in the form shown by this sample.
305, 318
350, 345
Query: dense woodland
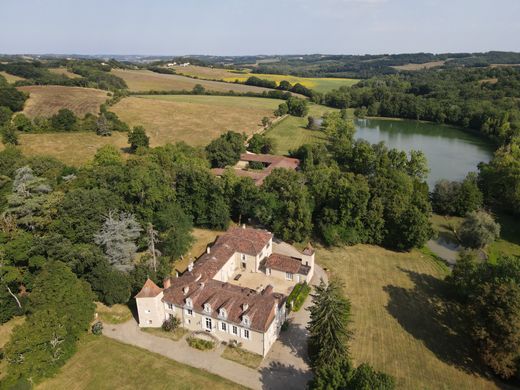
98, 231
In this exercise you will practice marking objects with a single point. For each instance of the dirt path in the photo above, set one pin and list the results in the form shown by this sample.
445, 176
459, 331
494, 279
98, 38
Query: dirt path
448, 251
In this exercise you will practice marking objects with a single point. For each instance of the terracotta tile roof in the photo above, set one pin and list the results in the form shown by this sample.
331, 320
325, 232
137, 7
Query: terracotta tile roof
286, 264
273, 162
149, 290
238, 301
201, 288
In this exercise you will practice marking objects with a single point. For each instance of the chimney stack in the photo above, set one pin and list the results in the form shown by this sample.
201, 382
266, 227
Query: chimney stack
208, 250
245, 306
243, 226
185, 290
190, 266
167, 283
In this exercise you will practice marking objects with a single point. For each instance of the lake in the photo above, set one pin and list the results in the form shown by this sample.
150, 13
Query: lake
451, 152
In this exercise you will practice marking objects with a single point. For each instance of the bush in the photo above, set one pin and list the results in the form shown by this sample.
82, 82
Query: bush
202, 345
255, 165
64, 120
97, 328
171, 324
478, 230
297, 296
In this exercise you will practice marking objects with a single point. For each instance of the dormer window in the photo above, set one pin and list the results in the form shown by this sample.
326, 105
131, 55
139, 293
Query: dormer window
189, 302
246, 321
243, 257
207, 308
222, 313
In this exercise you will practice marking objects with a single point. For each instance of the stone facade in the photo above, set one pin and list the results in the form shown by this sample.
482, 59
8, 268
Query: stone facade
204, 300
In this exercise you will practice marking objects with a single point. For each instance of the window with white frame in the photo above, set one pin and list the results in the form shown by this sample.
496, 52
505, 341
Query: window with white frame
246, 334
234, 330
207, 308
171, 316
288, 276
170, 306
189, 312
245, 320
209, 324
189, 302
223, 313
223, 327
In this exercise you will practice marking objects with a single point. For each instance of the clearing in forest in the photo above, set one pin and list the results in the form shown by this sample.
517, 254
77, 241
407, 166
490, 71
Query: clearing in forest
10, 78
47, 100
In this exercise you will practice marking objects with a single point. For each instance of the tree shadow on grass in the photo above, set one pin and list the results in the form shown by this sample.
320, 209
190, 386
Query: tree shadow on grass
280, 376
426, 312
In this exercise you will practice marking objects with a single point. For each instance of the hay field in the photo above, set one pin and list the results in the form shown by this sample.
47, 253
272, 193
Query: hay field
195, 120
145, 80
65, 72
400, 321
426, 65
71, 148
47, 100
103, 363
317, 83
11, 78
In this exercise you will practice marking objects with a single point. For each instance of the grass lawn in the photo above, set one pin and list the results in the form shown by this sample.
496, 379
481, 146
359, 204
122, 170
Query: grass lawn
103, 363
5, 334
319, 84
400, 321
194, 119
146, 80
47, 100
11, 78
241, 356
116, 314
203, 237
290, 133
175, 335
74, 148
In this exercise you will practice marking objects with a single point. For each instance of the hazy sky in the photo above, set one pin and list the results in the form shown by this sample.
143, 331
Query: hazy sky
234, 27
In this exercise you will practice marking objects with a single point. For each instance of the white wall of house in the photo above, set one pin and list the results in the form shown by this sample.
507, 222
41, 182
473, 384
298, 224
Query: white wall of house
227, 271
151, 311
223, 330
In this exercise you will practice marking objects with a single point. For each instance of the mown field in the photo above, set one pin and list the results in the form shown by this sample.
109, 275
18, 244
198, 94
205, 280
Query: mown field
400, 321
47, 100
10, 78
102, 363
145, 80
291, 132
194, 119
316, 83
